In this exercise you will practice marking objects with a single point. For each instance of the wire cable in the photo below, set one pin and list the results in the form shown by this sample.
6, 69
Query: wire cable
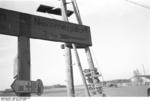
133, 2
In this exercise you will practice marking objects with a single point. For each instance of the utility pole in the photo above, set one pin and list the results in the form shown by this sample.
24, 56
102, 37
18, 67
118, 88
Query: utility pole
68, 56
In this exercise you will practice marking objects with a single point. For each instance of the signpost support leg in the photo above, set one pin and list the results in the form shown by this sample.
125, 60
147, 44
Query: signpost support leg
70, 82
23, 60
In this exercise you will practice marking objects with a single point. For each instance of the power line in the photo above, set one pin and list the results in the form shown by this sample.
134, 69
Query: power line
145, 6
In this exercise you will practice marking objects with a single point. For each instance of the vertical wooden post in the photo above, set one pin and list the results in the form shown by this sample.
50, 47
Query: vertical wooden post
70, 80
24, 49
24, 60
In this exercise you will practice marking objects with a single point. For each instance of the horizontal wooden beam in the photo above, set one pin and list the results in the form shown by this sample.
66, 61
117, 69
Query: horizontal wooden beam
31, 26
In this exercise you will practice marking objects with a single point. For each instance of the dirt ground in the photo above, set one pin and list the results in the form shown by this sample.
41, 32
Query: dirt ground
136, 91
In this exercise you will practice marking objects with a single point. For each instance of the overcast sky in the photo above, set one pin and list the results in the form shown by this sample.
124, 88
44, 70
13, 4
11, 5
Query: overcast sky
120, 35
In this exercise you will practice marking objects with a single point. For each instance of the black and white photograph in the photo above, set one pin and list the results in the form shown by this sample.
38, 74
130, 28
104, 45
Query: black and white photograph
74, 49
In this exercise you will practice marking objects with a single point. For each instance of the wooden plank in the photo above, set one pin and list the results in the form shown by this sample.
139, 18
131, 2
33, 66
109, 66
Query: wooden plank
21, 86
24, 86
43, 28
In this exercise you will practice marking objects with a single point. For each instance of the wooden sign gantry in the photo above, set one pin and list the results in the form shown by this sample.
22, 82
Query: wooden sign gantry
26, 26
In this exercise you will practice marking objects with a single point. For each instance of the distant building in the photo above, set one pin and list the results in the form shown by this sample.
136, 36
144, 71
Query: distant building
141, 80
118, 83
